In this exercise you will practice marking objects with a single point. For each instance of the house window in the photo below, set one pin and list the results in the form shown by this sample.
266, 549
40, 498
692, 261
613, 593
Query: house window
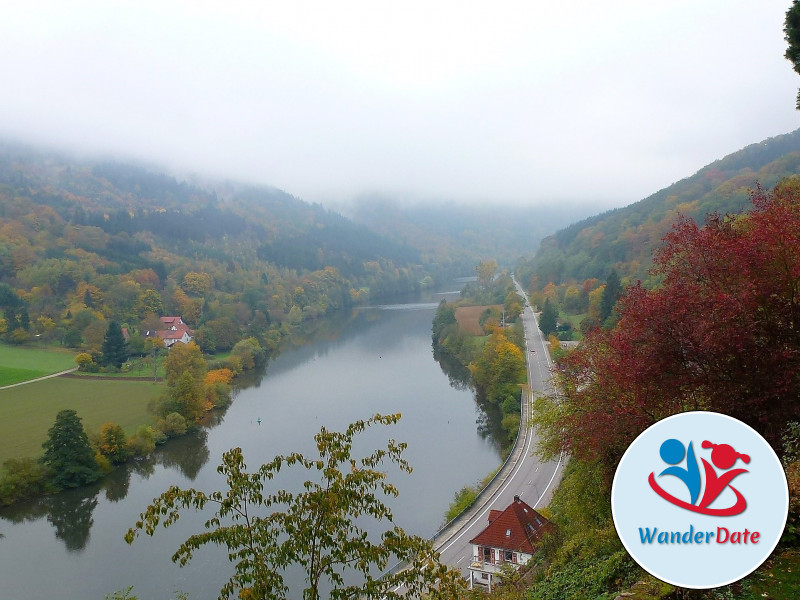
487, 554
509, 556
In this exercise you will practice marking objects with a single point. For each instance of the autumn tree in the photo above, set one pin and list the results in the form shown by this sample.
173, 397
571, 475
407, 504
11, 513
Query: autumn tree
185, 369
513, 305
719, 333
486, 271
67, 452
499, 369
184, 358
113, 443
320, 529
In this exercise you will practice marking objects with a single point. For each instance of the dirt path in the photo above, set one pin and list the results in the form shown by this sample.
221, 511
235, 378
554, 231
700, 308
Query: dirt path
72, 370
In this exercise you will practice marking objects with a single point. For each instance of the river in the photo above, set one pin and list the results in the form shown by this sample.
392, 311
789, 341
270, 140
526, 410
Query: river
373, 360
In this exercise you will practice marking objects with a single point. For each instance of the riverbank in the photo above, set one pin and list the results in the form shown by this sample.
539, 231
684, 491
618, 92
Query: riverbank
28, 411
373, 360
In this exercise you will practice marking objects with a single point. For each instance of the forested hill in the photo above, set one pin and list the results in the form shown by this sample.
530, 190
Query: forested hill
83, 242
623, 239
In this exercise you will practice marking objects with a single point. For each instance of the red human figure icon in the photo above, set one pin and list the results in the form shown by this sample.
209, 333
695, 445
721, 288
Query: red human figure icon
724, 457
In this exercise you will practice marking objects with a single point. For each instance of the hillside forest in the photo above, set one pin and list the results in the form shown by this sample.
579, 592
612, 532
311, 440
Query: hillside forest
573, 266
82, 244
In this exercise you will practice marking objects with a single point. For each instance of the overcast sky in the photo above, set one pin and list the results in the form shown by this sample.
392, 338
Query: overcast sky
528, 102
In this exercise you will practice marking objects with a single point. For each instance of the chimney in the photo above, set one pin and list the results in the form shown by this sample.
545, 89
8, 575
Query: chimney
516, 499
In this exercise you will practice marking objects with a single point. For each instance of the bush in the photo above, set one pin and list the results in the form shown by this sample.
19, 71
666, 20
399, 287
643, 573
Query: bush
143, 442
84, 360
461, 501
24, 478
173, 425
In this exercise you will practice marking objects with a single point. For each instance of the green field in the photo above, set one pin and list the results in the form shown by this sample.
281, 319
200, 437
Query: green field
28, 411
22, 364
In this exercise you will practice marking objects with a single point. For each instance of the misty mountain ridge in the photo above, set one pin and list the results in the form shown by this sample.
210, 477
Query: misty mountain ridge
624, 238
123, 198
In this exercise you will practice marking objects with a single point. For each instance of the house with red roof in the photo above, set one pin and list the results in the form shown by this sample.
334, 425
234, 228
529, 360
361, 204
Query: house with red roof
511, 538
173, 331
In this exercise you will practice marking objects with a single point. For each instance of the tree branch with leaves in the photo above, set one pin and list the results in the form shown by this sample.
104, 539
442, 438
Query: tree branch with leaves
320, 529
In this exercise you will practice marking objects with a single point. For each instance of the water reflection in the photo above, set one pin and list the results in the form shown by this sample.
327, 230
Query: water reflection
72, 519
456, 372
490, 417
70, 512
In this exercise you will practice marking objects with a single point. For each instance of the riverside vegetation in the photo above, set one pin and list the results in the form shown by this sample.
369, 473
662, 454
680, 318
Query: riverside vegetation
493, 361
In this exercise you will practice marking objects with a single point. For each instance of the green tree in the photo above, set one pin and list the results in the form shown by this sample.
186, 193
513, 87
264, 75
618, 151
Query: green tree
67, 452
791, 29
72, 338
114, 350
320, 529
613, 291
445, 316
250, 352
548, 320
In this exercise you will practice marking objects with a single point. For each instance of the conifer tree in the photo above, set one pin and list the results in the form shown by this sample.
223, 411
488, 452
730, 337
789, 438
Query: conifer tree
114, 349
610, 295
67, 452
548, 321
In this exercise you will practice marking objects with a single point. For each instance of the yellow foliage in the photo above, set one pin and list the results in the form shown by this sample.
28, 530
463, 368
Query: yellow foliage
223, 375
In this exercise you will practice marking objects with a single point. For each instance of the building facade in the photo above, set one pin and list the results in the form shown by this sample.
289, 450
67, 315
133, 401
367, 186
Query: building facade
510, 540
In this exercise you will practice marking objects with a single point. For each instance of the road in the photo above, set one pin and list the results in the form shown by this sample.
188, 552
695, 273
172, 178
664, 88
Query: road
524, 475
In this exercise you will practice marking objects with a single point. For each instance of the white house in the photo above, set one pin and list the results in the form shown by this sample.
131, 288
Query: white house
174, 331
511, 538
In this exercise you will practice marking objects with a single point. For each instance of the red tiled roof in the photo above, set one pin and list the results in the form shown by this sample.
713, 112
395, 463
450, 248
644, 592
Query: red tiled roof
519, 528
175, 322
171, 334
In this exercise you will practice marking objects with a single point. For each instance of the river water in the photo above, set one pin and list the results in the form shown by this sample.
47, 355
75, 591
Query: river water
373, 360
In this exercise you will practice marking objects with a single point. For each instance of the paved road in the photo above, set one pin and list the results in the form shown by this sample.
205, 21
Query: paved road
525, 475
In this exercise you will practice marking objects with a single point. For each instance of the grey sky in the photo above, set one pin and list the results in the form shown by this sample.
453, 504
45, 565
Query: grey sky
528, 102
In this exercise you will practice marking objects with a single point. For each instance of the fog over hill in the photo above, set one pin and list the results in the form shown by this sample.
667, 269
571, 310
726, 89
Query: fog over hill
624, 238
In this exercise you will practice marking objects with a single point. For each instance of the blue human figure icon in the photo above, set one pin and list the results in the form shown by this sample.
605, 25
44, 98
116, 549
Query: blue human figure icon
672, 452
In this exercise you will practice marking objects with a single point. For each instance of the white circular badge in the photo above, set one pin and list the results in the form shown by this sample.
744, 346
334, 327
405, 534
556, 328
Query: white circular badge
699, 500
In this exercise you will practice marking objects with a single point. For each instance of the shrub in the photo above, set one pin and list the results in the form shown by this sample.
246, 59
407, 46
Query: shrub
24, 478
143, 442
173, 425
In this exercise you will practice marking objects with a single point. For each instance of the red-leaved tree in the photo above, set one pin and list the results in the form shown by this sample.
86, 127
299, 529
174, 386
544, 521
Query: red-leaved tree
720, 332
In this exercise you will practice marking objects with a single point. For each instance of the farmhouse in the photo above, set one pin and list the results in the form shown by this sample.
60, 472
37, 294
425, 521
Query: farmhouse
173, 331
511, 538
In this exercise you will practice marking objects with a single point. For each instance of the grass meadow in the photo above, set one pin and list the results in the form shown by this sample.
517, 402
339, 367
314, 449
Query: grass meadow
22, 364
28, 411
